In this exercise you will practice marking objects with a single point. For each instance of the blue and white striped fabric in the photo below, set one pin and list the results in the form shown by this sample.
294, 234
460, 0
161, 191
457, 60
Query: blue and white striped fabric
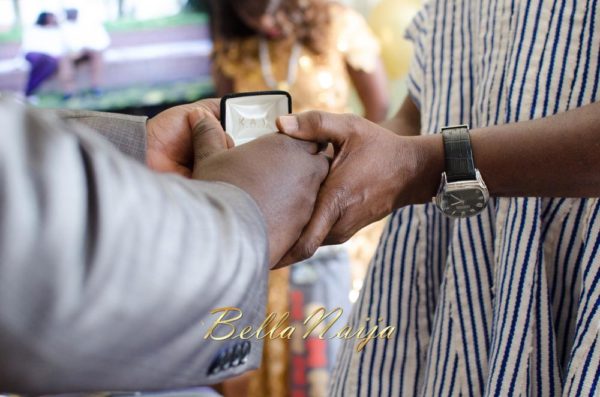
506, 303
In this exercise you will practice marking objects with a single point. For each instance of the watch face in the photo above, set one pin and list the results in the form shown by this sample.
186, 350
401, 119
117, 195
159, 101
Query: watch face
463, 203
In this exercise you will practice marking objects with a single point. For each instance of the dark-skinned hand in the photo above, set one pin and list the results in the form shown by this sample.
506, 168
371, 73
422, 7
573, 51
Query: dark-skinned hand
373, 172
282, 174
169, 137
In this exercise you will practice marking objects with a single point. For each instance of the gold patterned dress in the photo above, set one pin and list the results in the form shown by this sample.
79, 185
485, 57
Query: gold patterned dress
321, 82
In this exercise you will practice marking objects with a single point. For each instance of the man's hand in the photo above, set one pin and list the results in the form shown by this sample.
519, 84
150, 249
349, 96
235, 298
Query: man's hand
169, 137
282, 174
373, 172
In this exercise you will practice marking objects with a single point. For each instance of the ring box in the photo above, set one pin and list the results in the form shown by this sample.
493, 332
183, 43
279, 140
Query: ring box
246, 116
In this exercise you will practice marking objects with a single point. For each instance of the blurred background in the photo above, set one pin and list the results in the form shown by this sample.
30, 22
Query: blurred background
141, 57
158, 54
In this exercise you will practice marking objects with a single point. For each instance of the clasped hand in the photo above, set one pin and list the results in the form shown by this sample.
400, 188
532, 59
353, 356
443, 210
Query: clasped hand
281, 174
373, 171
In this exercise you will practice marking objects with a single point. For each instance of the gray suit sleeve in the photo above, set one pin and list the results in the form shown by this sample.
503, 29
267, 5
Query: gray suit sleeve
127, 133
108, 272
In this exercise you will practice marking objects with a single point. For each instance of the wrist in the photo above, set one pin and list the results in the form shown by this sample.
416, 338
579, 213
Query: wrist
401, 126
423, 160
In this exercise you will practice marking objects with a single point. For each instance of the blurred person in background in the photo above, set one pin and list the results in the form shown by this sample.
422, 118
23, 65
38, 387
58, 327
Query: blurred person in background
85, 41
317, 51
44, 47
58, 49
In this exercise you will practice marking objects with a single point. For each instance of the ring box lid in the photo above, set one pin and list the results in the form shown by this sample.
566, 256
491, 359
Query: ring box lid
247, 116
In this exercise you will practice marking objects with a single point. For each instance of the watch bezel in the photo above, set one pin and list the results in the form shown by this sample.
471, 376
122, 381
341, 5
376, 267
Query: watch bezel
449, 187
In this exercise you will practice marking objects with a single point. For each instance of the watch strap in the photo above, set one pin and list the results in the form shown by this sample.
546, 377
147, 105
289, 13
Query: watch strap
459, 155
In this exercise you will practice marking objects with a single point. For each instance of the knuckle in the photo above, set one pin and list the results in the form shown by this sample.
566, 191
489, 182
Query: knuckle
319, 119
316, 119
353, 123
333, 206
203, 128
202, 155
210, 104
345, 236
342, 232
338, 238
307, 249
353, 119
340, 200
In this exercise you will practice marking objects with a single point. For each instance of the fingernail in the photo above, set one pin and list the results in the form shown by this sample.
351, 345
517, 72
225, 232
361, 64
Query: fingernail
288, 123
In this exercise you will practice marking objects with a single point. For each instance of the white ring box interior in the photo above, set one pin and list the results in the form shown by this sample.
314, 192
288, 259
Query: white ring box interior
248, 116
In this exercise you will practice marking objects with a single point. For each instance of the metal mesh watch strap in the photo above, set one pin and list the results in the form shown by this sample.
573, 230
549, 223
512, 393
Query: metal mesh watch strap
459, 156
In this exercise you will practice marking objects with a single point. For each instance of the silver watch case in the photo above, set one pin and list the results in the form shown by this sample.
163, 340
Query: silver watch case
461, 191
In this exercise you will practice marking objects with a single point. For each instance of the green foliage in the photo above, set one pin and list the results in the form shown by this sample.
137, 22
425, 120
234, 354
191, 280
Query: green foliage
11, 36
183, 19
132, 97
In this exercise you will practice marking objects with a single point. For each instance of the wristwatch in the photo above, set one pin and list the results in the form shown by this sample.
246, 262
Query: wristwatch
462, 192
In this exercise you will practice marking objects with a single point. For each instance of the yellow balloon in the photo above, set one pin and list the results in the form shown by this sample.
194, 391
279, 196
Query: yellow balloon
389, 20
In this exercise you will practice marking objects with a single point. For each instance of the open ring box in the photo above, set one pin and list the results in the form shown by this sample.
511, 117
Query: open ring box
249, 115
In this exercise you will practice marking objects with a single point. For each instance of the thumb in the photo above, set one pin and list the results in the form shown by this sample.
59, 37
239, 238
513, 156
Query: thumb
318, 126
207, 134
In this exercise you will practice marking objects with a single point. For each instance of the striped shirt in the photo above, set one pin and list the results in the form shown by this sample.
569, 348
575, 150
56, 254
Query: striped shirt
508, 302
